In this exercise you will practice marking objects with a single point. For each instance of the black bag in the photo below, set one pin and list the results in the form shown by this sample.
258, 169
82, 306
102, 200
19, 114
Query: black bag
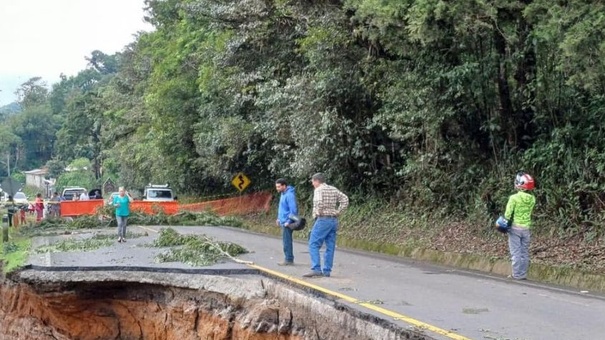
298, 224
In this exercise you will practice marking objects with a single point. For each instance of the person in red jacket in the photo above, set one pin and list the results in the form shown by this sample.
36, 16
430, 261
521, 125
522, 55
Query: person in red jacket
39, 207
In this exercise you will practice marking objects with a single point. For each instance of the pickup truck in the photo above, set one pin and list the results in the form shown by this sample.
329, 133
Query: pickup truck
158, 193
70, 192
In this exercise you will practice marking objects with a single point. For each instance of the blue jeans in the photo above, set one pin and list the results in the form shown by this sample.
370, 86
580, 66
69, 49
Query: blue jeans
518, 244
122, 220
324, 230
286, 236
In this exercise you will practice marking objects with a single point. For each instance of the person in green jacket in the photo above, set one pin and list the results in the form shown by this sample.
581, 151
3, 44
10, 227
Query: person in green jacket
519, 209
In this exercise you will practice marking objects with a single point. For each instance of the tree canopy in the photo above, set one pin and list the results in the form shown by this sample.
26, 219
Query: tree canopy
427, 102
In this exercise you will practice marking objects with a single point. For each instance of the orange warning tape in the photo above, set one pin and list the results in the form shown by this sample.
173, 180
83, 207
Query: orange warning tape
241, 205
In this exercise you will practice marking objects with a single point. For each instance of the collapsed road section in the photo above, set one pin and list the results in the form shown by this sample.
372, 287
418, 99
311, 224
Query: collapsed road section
108, 304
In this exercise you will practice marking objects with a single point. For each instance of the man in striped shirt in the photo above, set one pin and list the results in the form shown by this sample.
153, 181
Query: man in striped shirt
328, 204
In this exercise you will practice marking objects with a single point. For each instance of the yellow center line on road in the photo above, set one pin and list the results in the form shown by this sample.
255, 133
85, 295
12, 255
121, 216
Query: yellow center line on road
350, 299
148, 229
394, 315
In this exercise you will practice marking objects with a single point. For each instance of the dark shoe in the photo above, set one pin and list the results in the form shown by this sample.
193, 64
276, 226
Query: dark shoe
119, 240
313, 274
123, 239
286, 263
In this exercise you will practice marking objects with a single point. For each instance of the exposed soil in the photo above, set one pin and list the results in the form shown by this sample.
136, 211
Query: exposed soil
40, 306
115, 312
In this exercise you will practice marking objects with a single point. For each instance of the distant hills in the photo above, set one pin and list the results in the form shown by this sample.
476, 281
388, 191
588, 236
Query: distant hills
10, 108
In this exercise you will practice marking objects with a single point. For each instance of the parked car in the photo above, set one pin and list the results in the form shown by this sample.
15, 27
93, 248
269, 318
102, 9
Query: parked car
20, 199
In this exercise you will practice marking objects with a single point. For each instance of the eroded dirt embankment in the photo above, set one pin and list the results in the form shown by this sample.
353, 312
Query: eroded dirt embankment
134, 305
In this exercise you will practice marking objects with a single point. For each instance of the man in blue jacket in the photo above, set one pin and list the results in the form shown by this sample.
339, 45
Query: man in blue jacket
287, 206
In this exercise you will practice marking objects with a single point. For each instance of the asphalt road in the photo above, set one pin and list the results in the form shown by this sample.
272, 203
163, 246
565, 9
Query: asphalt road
473, 305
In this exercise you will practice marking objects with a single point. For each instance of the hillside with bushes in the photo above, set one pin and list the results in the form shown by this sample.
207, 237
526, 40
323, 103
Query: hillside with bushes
426, 107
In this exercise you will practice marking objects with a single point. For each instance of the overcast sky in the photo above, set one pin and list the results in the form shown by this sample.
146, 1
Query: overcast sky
48, 37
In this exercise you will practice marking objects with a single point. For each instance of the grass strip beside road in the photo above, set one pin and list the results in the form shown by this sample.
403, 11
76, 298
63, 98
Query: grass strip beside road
15, 253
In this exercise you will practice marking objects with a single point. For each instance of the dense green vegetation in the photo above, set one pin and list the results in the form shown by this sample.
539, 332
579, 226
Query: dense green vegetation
426, 104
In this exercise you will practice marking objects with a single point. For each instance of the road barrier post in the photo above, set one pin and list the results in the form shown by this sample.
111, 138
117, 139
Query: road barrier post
4, 228
11, 212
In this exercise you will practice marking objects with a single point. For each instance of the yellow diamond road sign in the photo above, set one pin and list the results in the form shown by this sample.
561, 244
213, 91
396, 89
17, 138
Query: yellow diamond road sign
240, 181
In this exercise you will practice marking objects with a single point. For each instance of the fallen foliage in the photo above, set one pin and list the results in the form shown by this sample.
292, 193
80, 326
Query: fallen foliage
84, 244
194, 250
105, 219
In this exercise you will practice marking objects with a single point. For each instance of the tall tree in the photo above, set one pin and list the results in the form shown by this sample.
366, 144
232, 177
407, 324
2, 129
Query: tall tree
80, 102
32, 93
